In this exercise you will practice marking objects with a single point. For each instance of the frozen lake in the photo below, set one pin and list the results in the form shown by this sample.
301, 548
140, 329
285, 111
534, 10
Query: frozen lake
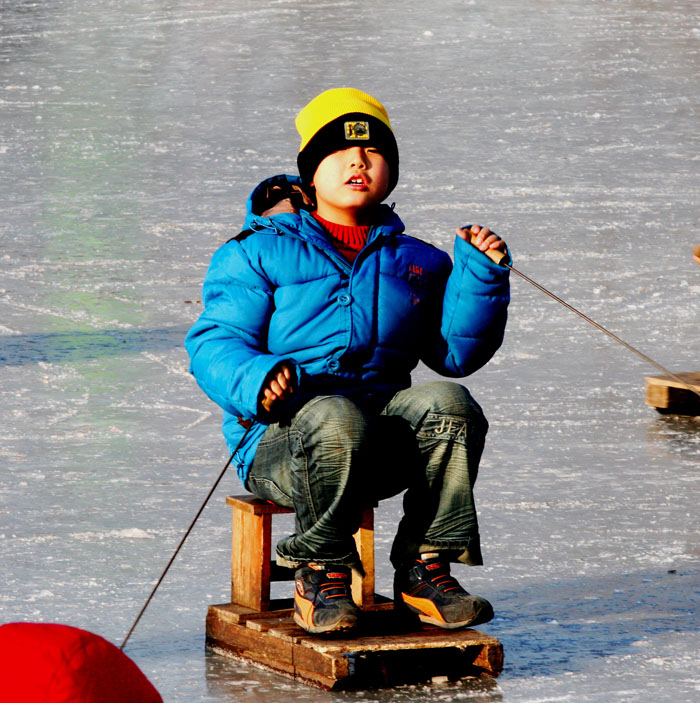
130, 136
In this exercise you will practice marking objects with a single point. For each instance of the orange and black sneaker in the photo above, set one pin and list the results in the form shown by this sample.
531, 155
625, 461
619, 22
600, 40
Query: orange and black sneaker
322, 600
427, 589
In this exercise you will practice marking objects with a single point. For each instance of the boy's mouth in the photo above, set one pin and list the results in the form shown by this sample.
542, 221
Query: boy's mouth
356, 181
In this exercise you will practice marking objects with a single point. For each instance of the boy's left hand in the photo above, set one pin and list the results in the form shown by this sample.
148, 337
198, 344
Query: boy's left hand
485, 238
278, 385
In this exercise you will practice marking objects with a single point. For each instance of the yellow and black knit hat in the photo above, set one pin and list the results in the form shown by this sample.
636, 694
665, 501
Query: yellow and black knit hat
338, 119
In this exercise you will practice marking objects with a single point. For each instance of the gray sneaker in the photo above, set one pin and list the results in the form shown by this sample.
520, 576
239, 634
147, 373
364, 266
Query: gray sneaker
426, 589
322, 600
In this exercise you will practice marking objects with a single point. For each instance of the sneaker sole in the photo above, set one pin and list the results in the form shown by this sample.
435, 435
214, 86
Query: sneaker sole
480, 619
340, 626
482, 615
304, 617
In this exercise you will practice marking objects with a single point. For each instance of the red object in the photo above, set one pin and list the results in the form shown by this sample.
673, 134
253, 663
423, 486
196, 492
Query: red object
48, 663
348, 240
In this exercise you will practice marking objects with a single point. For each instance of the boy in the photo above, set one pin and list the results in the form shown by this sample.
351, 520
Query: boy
315, 316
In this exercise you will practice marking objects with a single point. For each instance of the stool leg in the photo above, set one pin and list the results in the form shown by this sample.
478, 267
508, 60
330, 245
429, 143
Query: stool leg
363, 588
250, 560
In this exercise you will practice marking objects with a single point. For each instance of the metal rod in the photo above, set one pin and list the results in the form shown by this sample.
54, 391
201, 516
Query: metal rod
674, 376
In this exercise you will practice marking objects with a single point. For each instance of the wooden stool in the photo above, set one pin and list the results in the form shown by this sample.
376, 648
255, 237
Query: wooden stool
252, 568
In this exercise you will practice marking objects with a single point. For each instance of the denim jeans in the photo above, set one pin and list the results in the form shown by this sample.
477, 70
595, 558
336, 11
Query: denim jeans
332, 458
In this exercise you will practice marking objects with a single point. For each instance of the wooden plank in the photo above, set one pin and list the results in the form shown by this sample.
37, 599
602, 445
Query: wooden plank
691, 378
490, 659
420, 639
238, 614
380, 602
246, 643
274, 653
667, 395
250, 560
291, 632
363, 587
251, 504
262, 624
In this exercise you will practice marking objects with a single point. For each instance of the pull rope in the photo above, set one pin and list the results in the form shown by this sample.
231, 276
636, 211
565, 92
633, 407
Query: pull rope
184, 537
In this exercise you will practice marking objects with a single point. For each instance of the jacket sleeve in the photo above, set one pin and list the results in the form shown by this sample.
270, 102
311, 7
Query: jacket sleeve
474, 313
228, 343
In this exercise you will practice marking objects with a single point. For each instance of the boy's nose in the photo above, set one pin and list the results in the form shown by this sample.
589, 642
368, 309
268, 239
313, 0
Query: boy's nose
358, 158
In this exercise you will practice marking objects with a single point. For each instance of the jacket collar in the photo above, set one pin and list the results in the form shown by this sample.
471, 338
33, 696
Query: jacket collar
282, 203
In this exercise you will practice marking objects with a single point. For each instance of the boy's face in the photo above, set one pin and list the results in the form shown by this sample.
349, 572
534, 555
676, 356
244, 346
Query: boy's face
349, 183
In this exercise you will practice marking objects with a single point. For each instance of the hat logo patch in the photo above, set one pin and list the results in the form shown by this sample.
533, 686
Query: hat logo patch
357, 130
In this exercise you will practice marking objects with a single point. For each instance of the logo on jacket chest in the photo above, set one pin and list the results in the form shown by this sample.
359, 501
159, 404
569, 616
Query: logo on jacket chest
419, 282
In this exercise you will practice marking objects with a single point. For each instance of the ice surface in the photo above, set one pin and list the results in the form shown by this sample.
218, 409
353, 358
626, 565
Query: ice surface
130, 135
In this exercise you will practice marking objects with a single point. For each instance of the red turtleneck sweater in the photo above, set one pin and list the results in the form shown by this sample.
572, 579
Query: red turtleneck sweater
348, 240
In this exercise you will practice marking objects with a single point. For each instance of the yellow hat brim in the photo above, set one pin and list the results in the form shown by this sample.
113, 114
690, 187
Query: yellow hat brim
330, 105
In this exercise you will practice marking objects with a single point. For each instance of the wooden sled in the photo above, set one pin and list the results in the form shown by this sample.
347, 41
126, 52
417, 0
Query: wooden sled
383, 652
669, 396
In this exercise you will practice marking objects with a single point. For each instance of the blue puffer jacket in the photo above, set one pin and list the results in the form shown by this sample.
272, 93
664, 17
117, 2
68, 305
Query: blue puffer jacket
280, 291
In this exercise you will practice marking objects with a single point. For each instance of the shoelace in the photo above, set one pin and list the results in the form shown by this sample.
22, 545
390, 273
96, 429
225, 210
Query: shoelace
340, 587
445, 581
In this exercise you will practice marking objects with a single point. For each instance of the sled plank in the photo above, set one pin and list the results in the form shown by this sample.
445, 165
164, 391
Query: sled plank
669, 396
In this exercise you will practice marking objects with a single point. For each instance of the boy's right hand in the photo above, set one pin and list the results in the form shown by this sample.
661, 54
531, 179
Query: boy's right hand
482, 238
485, 241
279, 385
